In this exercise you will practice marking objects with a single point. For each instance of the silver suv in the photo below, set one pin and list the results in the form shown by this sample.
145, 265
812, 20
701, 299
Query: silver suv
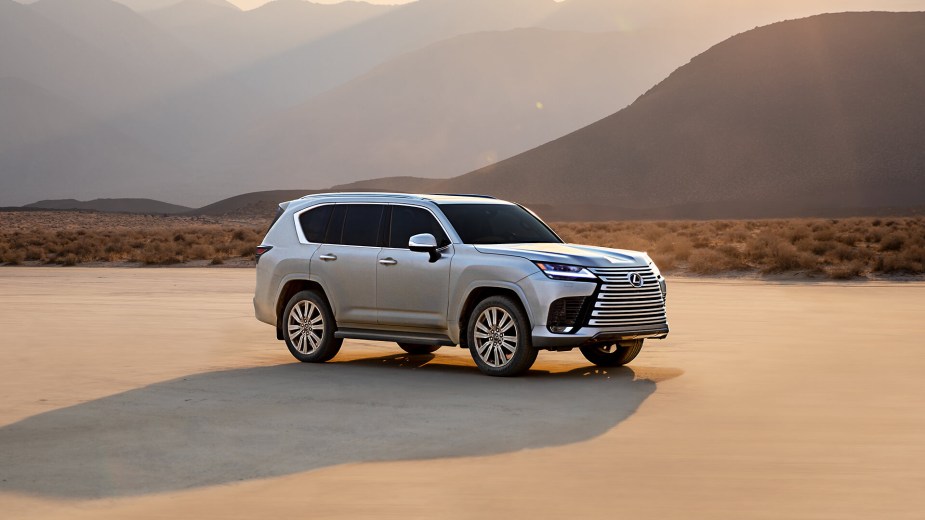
427, 271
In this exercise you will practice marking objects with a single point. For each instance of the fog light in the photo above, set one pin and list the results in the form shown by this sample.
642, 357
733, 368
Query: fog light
564, 314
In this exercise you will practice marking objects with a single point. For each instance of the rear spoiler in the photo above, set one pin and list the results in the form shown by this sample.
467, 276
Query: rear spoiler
279, 213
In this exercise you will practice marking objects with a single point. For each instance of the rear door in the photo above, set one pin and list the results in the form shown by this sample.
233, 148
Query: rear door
411, 291
346, 262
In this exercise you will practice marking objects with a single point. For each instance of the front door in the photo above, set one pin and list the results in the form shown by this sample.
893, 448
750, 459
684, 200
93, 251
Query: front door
411, 291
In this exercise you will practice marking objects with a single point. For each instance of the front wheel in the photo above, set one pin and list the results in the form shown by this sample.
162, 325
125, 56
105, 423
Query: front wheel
613, 355
308, 328
499, 337
417, 350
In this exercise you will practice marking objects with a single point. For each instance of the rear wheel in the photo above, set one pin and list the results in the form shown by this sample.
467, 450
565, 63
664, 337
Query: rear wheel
308, 328
499, 337
614, 354
416, 350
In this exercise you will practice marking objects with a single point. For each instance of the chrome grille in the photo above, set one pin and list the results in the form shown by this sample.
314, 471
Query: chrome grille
619, 304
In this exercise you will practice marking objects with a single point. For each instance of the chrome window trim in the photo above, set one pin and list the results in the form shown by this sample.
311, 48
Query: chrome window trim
454, 239
298, 225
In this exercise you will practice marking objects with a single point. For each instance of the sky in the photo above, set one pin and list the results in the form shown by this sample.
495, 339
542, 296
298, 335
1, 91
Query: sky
252, 4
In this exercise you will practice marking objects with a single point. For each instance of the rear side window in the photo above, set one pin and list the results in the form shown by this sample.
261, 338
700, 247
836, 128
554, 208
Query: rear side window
336, 227
314, 223
408, 221
361, 225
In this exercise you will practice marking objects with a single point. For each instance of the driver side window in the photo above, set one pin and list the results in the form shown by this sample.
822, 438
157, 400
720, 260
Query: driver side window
409, 221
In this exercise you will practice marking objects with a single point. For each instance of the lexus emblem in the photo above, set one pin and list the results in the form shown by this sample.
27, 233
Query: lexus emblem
635, 280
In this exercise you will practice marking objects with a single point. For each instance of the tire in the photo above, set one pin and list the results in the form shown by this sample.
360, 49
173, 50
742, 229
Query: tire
494, 349
417, 350
308, 342
613, 355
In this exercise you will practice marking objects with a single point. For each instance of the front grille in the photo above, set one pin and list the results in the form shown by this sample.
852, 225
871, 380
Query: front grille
620, 304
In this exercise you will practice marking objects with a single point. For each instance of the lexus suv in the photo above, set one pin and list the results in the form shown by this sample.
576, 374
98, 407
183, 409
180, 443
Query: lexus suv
428, 271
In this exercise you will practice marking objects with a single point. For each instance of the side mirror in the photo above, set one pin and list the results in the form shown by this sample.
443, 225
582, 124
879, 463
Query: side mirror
425, 243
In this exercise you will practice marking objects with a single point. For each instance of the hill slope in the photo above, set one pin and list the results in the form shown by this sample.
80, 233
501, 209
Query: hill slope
473, 99
57, 150
141, 206
823, 112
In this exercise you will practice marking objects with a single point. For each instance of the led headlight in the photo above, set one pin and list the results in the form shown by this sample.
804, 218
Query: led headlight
565, 272
658, 276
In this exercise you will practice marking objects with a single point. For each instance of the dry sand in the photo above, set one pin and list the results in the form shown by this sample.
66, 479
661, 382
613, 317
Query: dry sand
155, 394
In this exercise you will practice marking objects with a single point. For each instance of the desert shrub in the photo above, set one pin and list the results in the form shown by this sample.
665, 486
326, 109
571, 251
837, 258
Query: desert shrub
34, 253
69, 260
201, 252
907, 262
845, 271
217, 261
841, 252
706, 261
824, 234
893, 242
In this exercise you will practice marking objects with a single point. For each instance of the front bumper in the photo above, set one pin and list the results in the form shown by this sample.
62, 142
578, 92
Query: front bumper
543, 339
541, 292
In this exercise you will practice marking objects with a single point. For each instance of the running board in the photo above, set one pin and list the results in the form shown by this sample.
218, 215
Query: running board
398, 337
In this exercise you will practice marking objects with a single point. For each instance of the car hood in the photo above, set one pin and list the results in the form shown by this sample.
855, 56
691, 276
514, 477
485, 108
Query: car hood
573, 254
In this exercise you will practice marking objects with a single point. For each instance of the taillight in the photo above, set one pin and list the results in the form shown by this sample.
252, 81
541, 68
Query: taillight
261, 250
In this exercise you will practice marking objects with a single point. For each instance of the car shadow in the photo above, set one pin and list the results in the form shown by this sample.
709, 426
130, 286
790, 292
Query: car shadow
220, 427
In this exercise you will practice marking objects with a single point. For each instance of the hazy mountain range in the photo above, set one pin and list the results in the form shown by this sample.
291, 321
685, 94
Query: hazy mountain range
195, 100
824, 113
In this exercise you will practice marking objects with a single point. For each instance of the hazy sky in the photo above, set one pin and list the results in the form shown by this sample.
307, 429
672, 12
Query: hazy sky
251, 4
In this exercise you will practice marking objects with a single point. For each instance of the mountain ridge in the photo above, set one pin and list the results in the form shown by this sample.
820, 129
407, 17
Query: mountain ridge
766, 103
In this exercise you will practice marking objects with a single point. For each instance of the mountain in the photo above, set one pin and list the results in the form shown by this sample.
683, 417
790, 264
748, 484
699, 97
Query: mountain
473, 100
783, 120
217, 31
141, 206
121, 68
56, 149
261, 203
314, 67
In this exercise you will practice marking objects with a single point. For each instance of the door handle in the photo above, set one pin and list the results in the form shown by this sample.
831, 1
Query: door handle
328, 258
388, 261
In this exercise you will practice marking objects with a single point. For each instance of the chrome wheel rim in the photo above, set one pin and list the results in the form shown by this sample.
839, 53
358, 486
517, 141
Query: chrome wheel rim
306, 327
495, 337
608, 349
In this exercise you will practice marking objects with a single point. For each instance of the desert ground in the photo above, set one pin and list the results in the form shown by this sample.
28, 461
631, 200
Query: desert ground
153, 393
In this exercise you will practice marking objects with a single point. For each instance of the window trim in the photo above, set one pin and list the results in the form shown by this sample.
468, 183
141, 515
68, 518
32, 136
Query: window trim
298, 224
304, 241
301, 234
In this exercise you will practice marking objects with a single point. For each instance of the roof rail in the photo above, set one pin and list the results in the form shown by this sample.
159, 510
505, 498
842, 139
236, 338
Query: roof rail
465, 195
362, 194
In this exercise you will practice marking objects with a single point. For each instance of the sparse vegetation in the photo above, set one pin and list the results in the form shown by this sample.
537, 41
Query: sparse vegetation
78, 238
838, 249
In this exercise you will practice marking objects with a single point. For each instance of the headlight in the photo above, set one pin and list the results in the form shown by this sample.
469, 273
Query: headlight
565, 272
658, 274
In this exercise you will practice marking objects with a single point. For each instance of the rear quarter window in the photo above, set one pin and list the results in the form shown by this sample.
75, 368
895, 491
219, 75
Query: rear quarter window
314, 223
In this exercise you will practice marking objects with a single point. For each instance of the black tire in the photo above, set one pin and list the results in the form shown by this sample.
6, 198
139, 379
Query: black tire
302, 339
417, 350
503, 357
612, 355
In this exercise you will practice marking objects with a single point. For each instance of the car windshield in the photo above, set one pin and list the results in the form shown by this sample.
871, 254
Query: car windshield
497, 224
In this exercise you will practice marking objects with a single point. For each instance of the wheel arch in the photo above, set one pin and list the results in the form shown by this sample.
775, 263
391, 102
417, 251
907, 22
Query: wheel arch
289, 289
477, 294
